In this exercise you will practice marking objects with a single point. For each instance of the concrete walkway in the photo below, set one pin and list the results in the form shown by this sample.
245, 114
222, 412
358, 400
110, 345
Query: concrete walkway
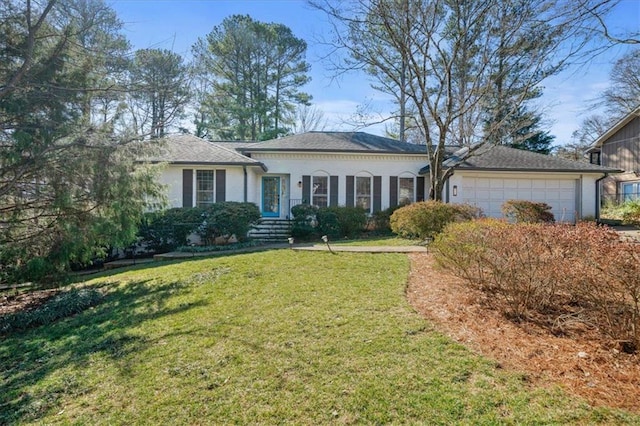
312, 247
363, 249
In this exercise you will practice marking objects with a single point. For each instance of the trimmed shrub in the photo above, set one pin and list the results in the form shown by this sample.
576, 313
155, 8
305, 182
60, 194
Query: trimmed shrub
426, 219
166, 230
463, 247
60, 306
341, 222
380, 221
525, 211
310, 222
226, 219
550, 269
304, 221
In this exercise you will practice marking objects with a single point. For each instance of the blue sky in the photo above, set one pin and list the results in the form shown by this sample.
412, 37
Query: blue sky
176, 25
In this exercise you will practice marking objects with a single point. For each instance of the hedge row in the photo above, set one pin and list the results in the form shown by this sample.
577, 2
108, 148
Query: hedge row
167, 230
310, 222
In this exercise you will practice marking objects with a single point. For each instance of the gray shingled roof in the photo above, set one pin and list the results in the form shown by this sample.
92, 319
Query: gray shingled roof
336, 142
190, 149
502, 158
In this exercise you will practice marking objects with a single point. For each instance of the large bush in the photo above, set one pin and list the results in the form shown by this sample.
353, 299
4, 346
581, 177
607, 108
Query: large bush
304, 221
426, 219
166, 230
227, 219
583, 272
527, 211
341, 222
170, 229
380, 221
310, 222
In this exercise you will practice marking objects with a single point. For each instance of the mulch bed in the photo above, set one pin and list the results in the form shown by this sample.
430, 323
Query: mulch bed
582, 362
26, 301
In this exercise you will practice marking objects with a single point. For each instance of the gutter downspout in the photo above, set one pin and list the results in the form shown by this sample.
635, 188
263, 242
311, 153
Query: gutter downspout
446, 194
598, 195
244, 170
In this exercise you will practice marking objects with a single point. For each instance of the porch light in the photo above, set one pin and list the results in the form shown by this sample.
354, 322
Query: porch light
455, 190
299, 184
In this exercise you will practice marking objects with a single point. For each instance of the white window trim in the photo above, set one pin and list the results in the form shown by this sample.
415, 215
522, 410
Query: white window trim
313, 188
355, 190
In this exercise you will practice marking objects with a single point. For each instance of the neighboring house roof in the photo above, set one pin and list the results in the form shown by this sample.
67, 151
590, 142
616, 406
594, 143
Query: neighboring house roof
356, 142
190, 149
614, 129
236, 145
503, 158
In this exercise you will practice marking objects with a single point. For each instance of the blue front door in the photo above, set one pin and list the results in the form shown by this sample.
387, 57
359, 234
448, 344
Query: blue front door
271, 196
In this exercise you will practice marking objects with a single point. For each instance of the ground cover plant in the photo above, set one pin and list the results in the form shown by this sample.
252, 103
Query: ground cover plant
627, 213
273, 337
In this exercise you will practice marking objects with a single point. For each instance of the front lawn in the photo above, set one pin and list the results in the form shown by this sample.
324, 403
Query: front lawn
264, 338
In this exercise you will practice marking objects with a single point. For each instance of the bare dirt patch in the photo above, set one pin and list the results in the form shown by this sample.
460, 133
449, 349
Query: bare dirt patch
583, 362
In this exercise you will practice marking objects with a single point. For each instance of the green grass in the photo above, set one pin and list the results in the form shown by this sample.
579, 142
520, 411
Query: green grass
264, 338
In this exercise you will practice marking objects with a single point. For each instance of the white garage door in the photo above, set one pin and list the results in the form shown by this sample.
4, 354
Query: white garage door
490, 193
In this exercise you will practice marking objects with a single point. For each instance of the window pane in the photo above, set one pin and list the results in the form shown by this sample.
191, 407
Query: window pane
320, 191
405, 191
204, 188
630, 191
363, 192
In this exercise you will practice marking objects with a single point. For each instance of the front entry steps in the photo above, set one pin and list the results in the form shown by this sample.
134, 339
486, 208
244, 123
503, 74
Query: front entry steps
271, 231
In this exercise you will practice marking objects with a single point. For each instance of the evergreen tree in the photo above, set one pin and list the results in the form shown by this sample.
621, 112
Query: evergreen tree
68, 187
255, 72
159, 90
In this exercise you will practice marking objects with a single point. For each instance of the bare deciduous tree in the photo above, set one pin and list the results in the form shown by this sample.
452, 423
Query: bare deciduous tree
467, 67
307, 118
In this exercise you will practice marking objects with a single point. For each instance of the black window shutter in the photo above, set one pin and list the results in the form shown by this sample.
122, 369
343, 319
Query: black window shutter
349, 191
420, 188
377, 193
187, 188
393, 191
333, 190
306, 189
221, 186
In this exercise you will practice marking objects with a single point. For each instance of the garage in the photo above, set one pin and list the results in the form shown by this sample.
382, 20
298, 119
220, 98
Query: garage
489, 178
490, 193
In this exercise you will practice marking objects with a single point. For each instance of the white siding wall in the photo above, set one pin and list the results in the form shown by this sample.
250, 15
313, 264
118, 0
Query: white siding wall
171, 176
296, 165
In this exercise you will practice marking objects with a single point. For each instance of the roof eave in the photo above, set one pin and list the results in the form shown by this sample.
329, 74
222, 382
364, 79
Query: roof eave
208, 163
325, 151
533, 170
